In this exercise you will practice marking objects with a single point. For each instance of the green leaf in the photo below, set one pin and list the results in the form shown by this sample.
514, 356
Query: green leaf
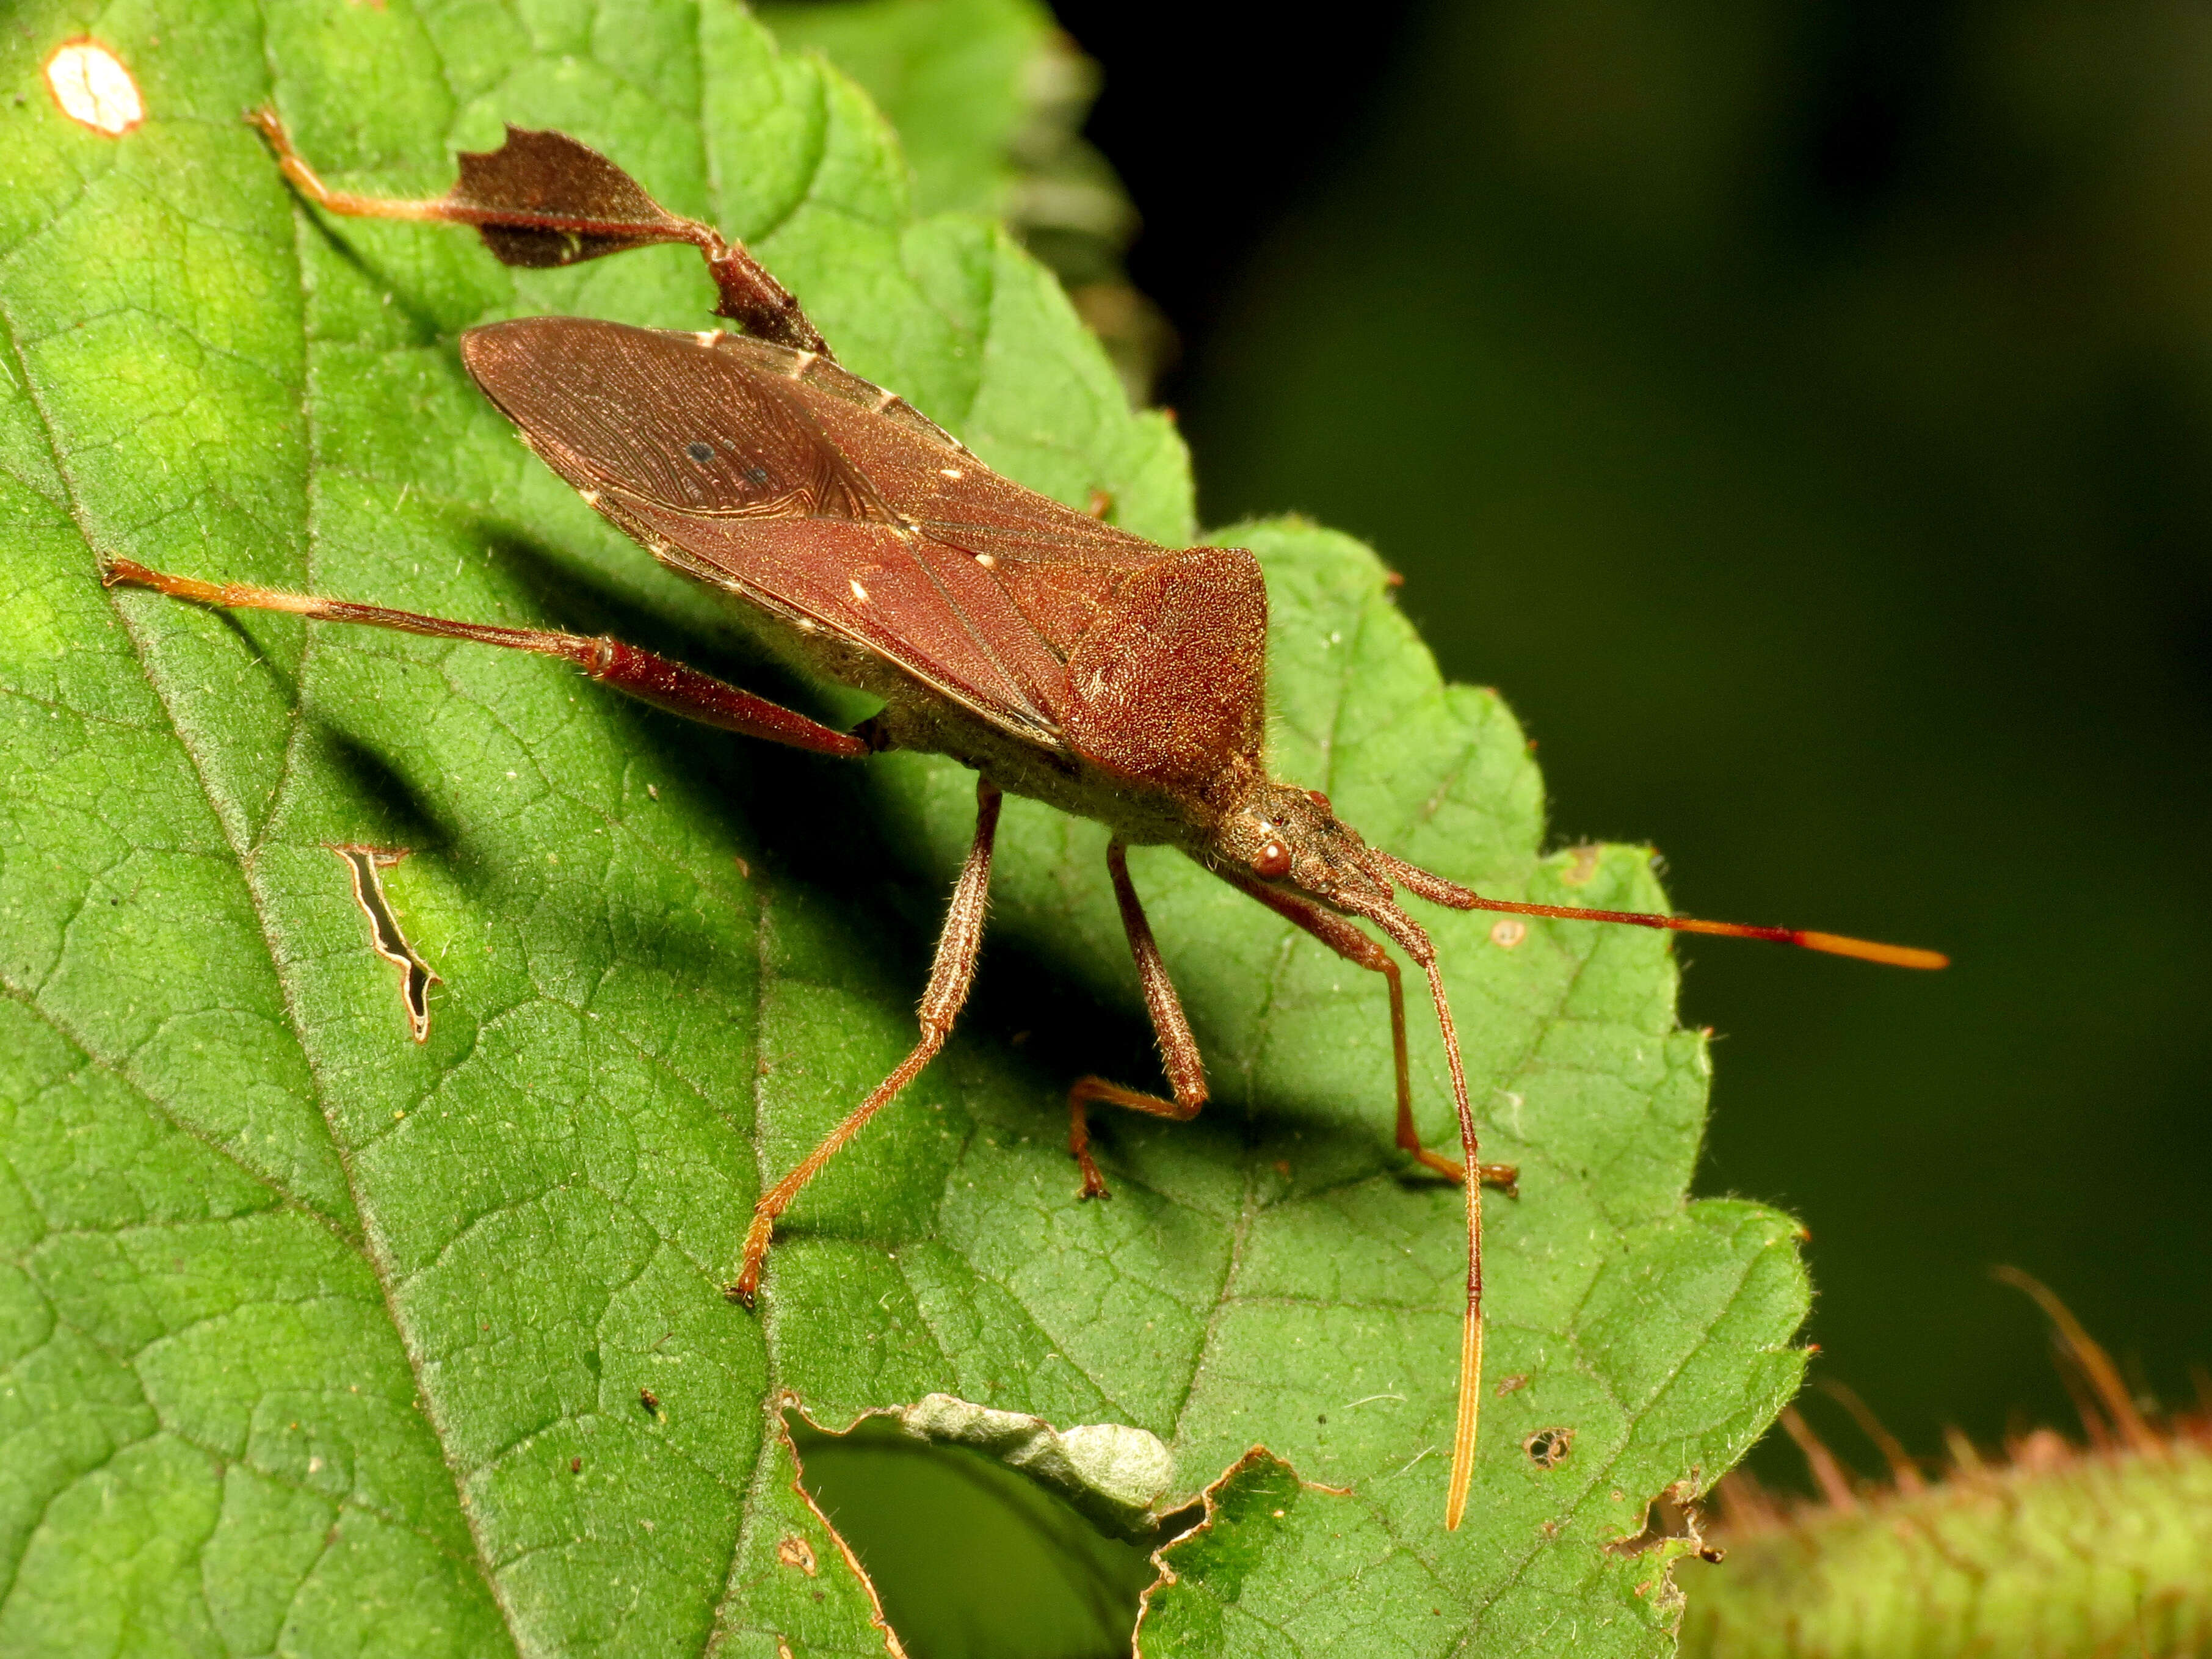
312, 1338
952, 75
989, 100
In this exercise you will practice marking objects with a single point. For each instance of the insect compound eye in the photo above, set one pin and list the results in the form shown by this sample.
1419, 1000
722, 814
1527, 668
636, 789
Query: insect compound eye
1318, 800
1273, 859
702, 452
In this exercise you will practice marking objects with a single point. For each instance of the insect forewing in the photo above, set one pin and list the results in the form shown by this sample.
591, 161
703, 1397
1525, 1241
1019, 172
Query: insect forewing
801, 499
653, 416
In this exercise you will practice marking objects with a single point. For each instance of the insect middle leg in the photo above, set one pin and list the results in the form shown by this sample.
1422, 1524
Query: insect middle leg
1179, 1054
950, 976
646, 675
1357, 948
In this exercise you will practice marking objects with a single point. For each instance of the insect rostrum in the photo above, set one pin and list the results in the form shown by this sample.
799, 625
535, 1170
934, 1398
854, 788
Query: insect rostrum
1059, 658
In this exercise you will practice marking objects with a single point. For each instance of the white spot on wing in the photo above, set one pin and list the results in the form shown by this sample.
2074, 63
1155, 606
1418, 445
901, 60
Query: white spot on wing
709, 337
591, 497
859, 591
951, 473
94, 90
801, 363
986, 561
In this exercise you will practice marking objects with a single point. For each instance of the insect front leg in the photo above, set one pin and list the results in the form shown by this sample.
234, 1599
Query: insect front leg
1185, 1067
646, 675
950, 976
1357, 948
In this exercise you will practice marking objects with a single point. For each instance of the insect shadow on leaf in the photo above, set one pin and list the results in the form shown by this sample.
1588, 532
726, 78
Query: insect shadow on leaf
1059, 658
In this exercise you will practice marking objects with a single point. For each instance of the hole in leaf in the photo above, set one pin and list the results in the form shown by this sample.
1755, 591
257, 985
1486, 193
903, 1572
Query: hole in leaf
93, 89
969, 1559
1179, 1521
1548, 1448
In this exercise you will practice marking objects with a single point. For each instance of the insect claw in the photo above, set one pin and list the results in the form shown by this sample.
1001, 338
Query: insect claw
1094, 1182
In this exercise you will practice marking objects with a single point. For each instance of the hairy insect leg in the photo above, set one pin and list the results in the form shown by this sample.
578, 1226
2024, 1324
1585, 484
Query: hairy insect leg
309, 184
1357, 948
950, 976
646, 675
1179, 1055
541, 200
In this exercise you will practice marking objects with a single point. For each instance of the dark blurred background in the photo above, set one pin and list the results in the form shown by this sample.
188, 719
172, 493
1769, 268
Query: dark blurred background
1803, 413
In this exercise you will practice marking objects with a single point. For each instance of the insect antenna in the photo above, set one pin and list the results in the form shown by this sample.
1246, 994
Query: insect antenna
1438, 890
1413, 939
1470, 1335
1410, 937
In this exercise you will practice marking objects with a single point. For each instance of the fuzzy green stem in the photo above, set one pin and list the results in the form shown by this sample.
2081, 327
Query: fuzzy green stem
2109, 1555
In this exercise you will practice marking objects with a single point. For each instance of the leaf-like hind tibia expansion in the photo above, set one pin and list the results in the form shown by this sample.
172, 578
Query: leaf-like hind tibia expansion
542, 199
592, 207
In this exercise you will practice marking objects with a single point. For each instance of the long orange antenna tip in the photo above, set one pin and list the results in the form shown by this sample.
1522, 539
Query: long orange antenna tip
1470, 1341
1438, 890
1408, 936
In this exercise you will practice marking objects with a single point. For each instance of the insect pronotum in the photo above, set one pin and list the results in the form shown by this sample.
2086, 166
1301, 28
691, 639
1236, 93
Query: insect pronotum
1059, 658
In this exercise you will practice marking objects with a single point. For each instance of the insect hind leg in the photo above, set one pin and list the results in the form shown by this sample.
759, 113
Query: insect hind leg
646, 675
543, 199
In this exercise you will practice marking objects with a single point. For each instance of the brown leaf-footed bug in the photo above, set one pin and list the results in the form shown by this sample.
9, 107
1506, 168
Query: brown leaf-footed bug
1059, 658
